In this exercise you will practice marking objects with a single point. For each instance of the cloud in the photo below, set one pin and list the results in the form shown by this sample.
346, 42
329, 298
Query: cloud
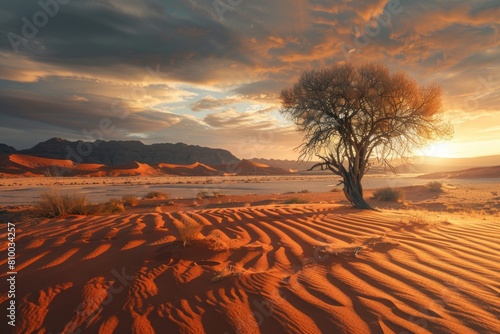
77, 98
211, 103
183, 67
234, 119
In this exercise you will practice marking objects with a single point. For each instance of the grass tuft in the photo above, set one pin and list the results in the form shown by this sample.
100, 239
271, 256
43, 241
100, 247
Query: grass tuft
389, 194
156, 195
54, 204
189, 230
435, 186
230, 271
208, 194
215, 237
110, 207
130, 200
296, 200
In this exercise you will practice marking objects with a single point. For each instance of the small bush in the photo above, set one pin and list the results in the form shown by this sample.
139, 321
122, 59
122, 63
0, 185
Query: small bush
189, 230
434, 186
208, 194
296, 200
230, 271
54, 204
304, 191
389, 194
130, 200
110, 207
216, 238
156, 195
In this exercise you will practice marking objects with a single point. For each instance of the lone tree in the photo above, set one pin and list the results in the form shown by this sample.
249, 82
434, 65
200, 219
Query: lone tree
349, 114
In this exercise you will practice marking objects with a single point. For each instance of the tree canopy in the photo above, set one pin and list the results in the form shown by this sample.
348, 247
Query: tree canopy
349, 114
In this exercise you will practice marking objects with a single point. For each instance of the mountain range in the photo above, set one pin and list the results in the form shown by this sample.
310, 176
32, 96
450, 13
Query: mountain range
116, 153
60, 157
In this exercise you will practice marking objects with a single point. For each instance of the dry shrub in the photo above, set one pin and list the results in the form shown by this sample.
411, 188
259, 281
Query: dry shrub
208, 194
382, 240
110, 207
230, 271
216, 238
331, 250
54, 204
296, 200
189, 230
389, 194
435, 186
156, 195
130, 200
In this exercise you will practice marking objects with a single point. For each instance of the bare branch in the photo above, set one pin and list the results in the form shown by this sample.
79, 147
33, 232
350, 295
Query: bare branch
347, 114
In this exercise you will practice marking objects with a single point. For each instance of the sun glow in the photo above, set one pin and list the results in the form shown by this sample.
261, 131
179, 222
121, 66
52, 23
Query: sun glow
439, 149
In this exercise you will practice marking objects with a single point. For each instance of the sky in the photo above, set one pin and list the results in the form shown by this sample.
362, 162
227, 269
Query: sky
209, 73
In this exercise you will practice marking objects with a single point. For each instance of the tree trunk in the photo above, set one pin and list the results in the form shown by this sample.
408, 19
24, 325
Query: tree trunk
354, 192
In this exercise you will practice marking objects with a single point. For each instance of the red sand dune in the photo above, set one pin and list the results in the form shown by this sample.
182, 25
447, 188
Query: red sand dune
25, 165
247, 167
269, 269
188, 170
131, 169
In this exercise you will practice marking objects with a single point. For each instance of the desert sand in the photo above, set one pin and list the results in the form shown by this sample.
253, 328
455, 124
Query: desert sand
276, 268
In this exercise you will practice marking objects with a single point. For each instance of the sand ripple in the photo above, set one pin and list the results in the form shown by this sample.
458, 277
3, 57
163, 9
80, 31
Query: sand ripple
270, 269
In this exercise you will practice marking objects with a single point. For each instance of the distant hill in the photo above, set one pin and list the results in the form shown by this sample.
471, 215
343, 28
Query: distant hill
12, 165
433, 164
286, 164
483, 161
5, 149
60, 157
116, 153
250, 167
471, 173
417, 165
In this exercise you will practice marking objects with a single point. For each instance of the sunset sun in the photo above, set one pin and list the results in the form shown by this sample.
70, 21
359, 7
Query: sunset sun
439, 149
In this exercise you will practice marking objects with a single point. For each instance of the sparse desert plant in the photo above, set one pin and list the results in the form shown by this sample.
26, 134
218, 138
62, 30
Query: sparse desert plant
54, 204
296, 200
229, 271
389, 194
435, 186
215, 237
304, 191
156, 195
418, 219
110, 207
208, 194
189, 230
382, 240
350, 250
130, 200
